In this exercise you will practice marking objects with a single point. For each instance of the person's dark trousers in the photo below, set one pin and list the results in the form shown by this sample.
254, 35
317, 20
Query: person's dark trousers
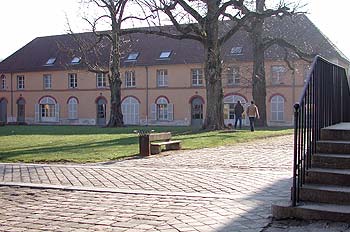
238, 118
251, 121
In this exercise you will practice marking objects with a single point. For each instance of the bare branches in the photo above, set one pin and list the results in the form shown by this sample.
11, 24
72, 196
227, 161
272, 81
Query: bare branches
190, 10
285, 44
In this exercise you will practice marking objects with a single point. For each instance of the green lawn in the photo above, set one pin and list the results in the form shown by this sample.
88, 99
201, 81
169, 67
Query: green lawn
83, 144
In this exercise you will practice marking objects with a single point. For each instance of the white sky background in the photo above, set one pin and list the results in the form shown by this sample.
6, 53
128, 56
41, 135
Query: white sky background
23, 20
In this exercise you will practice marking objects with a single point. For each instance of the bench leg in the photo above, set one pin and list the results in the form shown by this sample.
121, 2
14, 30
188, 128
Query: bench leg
174, 146
155, 149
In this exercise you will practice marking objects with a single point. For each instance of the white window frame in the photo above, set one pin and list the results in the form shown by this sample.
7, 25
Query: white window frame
162, 78
73, 108
165, 54
130, 110
197, 77
130, 80
277, 108
47, 110
72, 80
20, 82
50, 61
162, 109
236, 51
75, 60
101, 80
233, 76
133, 56
278, 74
47, 81
3, 82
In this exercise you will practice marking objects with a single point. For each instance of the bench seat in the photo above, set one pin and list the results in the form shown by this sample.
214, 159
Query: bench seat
169, 145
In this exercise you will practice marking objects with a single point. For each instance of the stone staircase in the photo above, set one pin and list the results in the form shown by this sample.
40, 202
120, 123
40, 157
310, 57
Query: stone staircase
326, 192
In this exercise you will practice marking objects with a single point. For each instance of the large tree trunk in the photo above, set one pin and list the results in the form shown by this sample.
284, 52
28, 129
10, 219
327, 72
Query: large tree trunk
258, 78
214, 119
116, 116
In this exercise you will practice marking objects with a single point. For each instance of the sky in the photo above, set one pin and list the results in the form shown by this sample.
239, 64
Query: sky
22, 21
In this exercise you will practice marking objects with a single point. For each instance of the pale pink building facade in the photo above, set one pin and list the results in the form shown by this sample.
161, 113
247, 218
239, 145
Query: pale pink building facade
163, 83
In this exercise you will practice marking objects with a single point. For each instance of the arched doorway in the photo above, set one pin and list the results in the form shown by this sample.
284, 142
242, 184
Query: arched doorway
21, 110
197, 111
130, 110
3, 110
101, 111
47, 110
229, 106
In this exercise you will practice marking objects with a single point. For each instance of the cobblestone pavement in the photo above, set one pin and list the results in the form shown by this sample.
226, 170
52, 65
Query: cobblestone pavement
215, 189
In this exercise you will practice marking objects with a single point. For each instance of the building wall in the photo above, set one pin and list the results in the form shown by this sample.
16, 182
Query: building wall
179, 92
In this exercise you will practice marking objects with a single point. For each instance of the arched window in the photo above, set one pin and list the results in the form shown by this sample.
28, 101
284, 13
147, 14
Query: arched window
162, 110
47, 110
72, 108
277, 108
130, 109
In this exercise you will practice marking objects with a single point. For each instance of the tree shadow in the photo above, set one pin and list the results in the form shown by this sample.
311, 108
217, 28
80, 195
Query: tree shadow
10, 130
51, 148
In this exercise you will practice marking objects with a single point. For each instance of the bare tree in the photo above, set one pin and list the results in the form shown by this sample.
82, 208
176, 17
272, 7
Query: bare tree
261, 43
207, 21
113, 14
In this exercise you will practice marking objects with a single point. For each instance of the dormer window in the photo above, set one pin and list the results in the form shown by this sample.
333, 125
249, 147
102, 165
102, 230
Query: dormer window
133, 56
165, 55
76, 60
50, 61
237, 51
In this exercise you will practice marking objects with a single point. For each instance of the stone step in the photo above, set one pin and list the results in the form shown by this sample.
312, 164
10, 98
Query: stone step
311, 211
325, 194
339, 131
327, 176
333, 146
334, 161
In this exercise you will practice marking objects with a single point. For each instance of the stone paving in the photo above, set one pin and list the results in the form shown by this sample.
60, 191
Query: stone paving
215, 189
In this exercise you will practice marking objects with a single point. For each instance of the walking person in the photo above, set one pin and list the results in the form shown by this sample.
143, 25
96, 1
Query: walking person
252, 112
238, 114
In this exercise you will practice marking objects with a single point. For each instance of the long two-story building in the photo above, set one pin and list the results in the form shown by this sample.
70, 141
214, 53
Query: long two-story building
163, 78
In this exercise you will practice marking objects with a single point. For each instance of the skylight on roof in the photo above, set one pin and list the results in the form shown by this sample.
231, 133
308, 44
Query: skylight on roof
236, 50
50, 61
76, 60
164, 54
133, 55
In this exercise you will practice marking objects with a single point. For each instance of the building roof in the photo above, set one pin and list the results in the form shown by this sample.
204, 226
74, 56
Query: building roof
298, 30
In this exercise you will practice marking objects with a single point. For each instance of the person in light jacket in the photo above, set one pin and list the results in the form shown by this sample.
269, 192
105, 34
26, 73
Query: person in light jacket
252, 112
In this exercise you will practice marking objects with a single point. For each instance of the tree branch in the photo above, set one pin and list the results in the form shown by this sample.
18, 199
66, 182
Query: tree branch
285, 44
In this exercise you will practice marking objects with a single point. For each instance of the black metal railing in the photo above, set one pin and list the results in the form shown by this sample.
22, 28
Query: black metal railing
322, 103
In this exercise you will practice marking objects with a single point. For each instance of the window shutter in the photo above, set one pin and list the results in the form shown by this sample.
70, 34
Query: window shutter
137, 114
37, 112
57, 112
170, 112
154, 112
166, 80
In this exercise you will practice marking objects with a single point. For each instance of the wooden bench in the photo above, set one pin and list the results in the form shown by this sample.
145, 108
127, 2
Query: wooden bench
157, 140
152, 143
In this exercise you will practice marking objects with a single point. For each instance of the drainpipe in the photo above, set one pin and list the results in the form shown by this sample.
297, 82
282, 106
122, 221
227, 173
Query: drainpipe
146, 95
11, 96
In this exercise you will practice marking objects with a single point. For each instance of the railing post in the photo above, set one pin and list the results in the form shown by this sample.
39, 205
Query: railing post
295, 162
